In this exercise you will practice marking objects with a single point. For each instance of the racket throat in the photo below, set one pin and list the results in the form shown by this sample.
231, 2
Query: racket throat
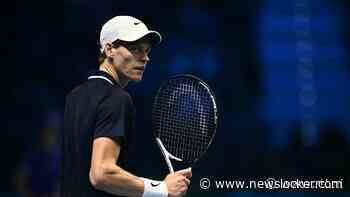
167, 155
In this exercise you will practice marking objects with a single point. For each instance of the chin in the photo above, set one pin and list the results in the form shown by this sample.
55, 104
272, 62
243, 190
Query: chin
137, 78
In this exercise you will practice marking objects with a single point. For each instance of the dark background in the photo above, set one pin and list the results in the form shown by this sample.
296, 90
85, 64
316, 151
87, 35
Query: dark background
280, 75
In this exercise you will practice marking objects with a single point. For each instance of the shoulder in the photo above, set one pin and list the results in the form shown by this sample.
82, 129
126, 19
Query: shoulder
118, 92
91, 88
117, 97
101, 93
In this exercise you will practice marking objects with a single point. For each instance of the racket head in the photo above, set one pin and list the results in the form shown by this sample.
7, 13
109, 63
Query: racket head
185, 116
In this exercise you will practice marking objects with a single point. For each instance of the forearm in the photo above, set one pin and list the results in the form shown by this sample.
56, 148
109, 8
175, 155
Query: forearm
105, 175
113, 179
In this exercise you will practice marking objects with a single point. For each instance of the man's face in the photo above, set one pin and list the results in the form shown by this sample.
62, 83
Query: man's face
130, 59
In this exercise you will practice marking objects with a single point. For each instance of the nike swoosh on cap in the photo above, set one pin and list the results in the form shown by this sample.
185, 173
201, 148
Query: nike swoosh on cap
136, 23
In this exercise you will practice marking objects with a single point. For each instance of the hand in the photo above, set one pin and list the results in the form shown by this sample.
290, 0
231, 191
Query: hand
178, 182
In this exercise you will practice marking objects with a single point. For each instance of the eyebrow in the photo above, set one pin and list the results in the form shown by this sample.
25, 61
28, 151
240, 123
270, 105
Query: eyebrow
145, 45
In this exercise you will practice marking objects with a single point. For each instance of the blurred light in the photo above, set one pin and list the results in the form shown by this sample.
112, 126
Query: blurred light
180, 63
303, 57
207, 63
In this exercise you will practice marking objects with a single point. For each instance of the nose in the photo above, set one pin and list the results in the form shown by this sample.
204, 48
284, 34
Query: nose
145, 57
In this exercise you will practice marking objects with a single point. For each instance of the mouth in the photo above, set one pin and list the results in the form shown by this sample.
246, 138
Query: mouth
141, 68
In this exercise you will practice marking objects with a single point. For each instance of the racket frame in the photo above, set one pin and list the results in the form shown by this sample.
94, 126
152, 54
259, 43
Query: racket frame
167, 156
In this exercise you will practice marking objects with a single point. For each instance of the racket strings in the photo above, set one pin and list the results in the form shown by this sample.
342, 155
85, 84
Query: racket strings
185, 118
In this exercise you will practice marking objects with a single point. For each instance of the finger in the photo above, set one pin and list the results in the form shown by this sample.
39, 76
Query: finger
187, 181
190, 173
183, 188
185, 172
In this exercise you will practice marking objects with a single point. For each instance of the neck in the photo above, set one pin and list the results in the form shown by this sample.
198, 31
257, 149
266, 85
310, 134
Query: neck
108, 68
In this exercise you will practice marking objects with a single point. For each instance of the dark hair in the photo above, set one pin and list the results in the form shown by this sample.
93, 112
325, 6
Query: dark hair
101, 58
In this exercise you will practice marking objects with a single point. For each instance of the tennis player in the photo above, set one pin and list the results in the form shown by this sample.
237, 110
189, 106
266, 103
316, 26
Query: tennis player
99, 118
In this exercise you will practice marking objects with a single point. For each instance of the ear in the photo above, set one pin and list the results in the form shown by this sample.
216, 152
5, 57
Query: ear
108, 50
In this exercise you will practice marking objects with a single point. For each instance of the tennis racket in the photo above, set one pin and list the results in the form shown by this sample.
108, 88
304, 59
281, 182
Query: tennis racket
184, 119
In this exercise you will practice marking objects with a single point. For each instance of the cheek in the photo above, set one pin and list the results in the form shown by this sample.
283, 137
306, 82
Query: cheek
125, 55
129, 68
128, 58
124, 64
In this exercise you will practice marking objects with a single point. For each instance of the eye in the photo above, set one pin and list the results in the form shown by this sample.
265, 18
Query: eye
133, 48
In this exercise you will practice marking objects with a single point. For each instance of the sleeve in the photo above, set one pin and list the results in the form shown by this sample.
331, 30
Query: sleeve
111, 117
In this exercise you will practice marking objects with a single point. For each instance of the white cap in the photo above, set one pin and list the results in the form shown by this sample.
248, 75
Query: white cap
126, 28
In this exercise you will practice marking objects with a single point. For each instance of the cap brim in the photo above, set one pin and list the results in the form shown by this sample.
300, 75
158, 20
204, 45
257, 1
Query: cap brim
153, 36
